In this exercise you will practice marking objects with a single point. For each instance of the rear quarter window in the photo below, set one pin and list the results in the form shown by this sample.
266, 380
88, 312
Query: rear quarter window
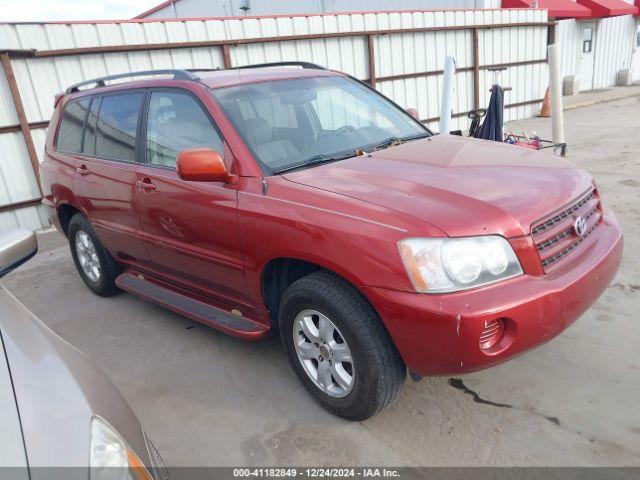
70, 132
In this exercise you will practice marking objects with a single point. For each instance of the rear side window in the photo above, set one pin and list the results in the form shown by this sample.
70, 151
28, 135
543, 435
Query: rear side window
117, 125
70, 132
176, 122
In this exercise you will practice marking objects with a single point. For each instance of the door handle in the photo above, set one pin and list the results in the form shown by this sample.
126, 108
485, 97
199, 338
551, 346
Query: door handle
82, 170
146, 185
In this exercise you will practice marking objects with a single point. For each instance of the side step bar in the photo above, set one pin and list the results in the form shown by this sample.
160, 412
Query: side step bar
202, 312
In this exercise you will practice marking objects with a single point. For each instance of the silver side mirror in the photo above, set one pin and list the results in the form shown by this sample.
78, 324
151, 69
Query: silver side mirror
16, 247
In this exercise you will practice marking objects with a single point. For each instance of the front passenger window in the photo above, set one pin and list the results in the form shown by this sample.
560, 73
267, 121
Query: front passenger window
177, 122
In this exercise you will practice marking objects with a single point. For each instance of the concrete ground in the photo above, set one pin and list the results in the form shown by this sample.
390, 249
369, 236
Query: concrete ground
592, 97
207, 399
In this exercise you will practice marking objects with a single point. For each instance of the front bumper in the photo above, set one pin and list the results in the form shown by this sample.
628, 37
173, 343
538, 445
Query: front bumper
439, 334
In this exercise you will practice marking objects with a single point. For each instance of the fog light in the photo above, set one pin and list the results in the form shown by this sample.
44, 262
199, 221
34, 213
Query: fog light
491, 334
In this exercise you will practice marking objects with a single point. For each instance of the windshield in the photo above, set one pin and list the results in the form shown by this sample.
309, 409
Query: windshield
296, 123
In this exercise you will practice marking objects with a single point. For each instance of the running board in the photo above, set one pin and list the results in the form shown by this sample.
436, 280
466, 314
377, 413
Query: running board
202, 312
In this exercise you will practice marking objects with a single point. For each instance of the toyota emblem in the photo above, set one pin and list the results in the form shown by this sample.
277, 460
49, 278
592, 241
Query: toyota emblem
580, 226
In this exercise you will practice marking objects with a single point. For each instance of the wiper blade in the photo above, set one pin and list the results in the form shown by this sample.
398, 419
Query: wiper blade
393, 141
318, 159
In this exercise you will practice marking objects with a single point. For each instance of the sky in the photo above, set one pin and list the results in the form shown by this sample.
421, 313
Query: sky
44, 10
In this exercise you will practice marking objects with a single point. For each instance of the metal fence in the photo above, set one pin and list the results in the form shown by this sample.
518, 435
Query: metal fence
399, 53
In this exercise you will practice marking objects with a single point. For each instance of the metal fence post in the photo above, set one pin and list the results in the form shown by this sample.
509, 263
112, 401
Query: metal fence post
372, 61
476, 70
226, 56
22, 117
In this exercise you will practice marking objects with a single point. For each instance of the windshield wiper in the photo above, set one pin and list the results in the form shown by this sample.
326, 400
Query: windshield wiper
393, 141
317, 160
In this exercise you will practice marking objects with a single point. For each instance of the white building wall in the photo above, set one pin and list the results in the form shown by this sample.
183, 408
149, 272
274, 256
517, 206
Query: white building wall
614, 40
224, 8
614, 46
568, 36
39, 79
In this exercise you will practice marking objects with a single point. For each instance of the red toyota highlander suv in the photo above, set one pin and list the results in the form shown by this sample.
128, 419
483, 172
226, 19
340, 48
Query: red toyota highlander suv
300, 200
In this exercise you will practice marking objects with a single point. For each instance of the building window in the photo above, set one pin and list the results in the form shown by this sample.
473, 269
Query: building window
587, 40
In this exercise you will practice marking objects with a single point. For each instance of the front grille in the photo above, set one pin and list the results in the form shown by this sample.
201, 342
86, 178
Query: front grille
555, 236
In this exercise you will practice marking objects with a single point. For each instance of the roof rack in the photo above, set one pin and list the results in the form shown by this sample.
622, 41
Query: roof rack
184, 74
308, 65
100, 82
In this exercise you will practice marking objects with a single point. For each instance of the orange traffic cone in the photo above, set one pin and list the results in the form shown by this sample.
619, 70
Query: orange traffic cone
545, 111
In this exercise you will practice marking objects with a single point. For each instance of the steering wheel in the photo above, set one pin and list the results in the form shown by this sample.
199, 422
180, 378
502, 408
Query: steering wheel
345, 129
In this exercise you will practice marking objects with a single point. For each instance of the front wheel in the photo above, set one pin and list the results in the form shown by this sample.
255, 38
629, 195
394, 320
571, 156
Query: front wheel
339, 348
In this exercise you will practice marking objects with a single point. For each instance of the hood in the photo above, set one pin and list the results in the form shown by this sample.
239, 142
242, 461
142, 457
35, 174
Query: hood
462, 186
57, 391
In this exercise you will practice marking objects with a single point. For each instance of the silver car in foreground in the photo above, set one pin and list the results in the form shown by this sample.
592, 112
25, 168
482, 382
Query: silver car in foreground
60, 416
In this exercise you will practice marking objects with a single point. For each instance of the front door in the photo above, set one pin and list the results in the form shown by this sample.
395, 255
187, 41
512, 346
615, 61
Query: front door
106, 173
191, 228
587, 56
635, 60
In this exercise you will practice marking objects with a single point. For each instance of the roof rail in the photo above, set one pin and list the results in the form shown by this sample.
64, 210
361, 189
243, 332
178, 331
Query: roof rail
99, 82
311, 66
184, 74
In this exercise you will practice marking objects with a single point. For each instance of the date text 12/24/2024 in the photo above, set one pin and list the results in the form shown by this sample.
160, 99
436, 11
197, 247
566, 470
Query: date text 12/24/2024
316, 472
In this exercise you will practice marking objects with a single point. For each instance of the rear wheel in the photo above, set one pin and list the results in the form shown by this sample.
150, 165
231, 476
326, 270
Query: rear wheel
96, 266
339, 348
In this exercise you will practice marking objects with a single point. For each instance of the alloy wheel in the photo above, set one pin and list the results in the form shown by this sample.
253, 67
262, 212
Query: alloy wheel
87, 256
323, 353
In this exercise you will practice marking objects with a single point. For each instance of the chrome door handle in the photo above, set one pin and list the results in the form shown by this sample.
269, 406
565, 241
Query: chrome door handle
82, 170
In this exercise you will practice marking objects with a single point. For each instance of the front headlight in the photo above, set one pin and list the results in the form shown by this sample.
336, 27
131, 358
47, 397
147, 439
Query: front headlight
110, 456
440, 265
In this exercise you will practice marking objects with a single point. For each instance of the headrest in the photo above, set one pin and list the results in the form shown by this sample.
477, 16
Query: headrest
257, 130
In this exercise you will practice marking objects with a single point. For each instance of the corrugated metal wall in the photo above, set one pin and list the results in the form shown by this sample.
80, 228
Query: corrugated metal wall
614, 44
17, 179
614, 39
39, 79
568, 36
224, 8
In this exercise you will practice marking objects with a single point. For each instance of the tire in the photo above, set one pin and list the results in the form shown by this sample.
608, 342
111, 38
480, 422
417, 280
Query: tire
104, 284
377, 372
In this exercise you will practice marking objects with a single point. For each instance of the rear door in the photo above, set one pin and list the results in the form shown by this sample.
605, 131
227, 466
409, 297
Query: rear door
105, 182
190, 228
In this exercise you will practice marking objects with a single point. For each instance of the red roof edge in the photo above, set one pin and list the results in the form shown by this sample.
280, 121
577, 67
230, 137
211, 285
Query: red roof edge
609, 8
556, 8
516, 4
